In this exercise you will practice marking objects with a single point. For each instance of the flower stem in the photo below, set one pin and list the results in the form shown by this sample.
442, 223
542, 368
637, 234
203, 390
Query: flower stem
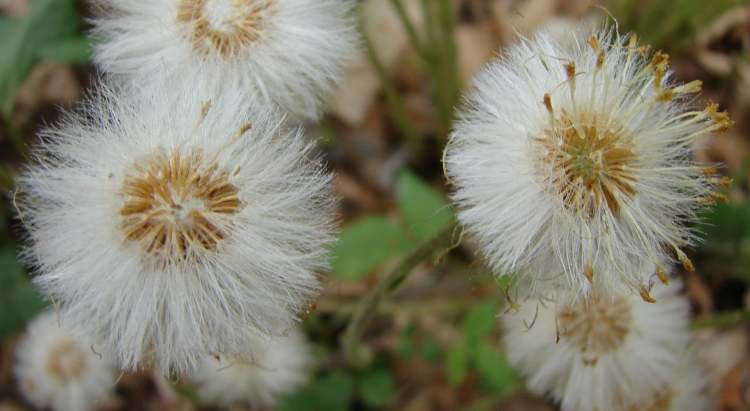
411, 30
356, 353
395, 101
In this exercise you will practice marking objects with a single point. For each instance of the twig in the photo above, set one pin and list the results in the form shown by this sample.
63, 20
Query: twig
356, 353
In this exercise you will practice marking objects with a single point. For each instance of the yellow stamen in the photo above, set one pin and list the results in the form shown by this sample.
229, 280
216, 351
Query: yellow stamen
662, 274
686, 263
594, 42
589, 272
646, 295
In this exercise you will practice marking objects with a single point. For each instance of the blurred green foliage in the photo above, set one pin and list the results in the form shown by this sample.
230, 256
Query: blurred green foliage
19, 301
669, 25
373, 388
73, 50
51, 29
369, 242
366, 244
423, 209
477, 351
332, 392
377, 388
480, 350
727, 244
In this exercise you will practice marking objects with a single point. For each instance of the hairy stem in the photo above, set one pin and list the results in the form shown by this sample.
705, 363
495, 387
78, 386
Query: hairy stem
356, 353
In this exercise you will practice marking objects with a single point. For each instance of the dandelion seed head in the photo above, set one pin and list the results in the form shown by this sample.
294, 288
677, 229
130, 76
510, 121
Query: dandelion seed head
687, 391
281, 366
572, 164
177, 206
66, 362
596, 327
590, 161
58, 370
172, 226
288, 54
223, 27
599, 353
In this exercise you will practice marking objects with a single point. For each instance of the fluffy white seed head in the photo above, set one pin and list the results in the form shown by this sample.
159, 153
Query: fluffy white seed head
281, 366
59, 371
687, 391
287, 53
600, 353
572, 163
172, 227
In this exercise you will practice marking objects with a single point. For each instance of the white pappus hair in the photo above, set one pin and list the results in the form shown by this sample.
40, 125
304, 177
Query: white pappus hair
171, 227
281, 366
601, 353
688, 390
59, 371
289, 53
572, 164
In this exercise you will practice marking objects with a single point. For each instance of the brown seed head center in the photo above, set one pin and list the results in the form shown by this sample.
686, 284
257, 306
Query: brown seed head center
223, 27
174, 204
596, 327
66, 362
590, 163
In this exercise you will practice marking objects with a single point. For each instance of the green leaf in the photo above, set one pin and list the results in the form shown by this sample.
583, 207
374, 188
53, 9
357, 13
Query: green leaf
497, 375
407, 343
457, 363
424, 209
377, 388
47, 22
331, 393
480, 321
727, 222
431, 351
366, 244
73, 50
6, 26
19, 301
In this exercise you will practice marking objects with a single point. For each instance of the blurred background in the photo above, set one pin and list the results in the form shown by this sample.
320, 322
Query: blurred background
435, 344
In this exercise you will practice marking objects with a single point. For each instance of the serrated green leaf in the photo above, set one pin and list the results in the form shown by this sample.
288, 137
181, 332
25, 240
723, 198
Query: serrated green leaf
19, 301
73, 50
497, 375
457, 363
47, 21
480, 321
366, 244
376, 388
331, 393
424, 209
